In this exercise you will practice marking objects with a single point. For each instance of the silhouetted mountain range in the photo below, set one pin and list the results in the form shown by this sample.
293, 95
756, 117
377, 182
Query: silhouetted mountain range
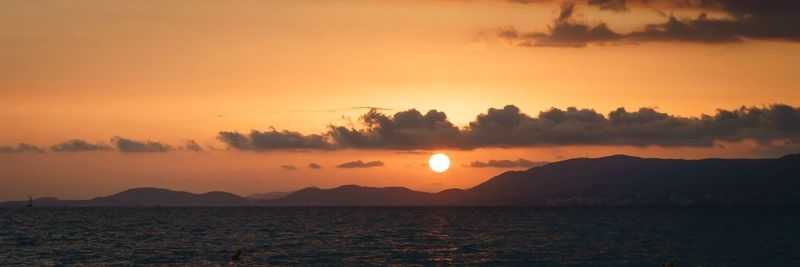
625, 180
269, 195
609, 181
158, 196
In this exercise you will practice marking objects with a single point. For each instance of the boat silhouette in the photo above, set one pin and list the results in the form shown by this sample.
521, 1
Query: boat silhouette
30, 202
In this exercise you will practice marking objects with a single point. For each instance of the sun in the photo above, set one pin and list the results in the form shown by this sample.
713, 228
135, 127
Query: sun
439, 162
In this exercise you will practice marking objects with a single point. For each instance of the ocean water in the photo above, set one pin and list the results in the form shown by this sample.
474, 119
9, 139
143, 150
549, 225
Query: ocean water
745, 236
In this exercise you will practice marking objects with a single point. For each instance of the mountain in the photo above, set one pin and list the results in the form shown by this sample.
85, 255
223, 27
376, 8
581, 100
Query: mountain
164, 197
617, 180
269, 195
146, 197
626, 180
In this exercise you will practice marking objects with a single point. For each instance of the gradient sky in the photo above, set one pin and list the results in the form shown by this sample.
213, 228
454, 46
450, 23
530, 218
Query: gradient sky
107, 72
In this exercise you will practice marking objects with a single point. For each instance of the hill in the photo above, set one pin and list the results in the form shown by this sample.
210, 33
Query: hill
617, 180
268, 195
625, 180
146, 197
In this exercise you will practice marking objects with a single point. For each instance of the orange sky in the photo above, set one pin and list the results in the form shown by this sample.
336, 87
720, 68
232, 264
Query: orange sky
171, 71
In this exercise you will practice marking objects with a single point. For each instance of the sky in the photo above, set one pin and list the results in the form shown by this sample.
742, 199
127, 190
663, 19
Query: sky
242, 96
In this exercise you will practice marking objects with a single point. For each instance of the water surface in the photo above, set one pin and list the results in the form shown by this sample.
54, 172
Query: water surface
753, 236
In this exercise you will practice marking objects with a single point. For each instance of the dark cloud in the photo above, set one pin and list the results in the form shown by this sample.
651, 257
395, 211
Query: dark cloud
413, 131
646, 126
519, 163
613, 5
134, 146
563, 32
289, 167
743, 19
567, 8
192, 145
405, 130
360, 164
21, 148
413, 152
771, 20
77, 145
509, 127
570, 34
530, 1
314, 166
701, 30
272, 139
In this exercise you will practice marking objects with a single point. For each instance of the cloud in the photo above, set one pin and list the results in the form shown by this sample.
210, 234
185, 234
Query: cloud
644, 127
613, 5
77, 145
133, 146
192, 145
563, 32
360, 164
413, 131
509, 127
529, 1
289, 167
567, 9
21, 148
701, 30
739, 20
404, 130
314, 166
272, 139
519, 163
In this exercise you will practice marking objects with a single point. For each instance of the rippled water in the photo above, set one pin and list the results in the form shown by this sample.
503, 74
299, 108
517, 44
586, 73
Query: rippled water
417, 236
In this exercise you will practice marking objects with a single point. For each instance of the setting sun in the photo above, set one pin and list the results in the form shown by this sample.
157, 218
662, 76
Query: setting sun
439, 162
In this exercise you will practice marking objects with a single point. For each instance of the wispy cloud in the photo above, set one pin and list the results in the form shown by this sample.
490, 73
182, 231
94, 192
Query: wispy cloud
21, 148
360, 164
133, 146
191, 145
289, 167
78, 145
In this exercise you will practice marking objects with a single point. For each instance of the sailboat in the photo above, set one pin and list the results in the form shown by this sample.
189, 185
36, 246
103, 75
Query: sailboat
30, 202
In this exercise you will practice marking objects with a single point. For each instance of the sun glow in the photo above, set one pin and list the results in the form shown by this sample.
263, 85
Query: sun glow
439, 162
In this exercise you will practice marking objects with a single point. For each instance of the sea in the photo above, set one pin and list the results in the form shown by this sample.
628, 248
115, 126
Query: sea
415, 236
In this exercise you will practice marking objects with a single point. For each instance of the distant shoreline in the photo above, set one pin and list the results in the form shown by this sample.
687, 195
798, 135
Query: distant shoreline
613, 181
